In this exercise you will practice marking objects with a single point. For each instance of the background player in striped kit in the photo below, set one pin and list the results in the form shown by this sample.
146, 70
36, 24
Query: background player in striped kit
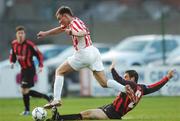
86, 54
123, 103
23, 50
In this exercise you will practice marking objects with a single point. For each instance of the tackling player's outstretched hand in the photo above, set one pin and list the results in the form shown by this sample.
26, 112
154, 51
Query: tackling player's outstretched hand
170, 74
112, 65
42, 34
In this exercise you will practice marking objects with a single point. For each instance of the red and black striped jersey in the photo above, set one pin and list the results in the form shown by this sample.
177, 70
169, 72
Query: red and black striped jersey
24, 52
122, 103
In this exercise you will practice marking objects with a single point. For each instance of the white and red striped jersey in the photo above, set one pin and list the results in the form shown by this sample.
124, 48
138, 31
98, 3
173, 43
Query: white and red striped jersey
80, 42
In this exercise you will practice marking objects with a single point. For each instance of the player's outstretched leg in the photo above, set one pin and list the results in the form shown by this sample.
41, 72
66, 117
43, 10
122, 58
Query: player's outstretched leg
37, 94
55, 114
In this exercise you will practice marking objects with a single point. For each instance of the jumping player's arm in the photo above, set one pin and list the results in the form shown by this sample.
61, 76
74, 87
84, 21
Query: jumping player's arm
156, 86
53, 31
37, 53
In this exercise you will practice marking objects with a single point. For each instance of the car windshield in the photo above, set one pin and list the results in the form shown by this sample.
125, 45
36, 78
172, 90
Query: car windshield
52, 52
135, 46
175, 53
103, 49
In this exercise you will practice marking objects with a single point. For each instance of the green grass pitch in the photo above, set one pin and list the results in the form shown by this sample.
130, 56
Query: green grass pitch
149, 108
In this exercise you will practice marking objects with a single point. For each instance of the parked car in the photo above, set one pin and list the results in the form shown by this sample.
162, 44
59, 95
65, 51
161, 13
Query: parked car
5, 63
140, 50
48, 51
175, 61
172, 59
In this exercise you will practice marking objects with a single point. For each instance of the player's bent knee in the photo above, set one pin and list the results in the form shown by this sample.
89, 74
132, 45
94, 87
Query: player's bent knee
59, 72
24, 91
100, 77
104, 85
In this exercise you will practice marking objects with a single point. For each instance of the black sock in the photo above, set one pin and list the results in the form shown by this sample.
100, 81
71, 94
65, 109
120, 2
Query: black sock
71, 117
38, 94
26, 101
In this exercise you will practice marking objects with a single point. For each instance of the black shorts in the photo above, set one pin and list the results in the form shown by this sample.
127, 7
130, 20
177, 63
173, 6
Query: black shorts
28, 77
110, 111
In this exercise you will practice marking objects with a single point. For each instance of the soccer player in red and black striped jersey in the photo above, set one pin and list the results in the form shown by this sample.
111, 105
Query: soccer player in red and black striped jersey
123, 103
23, 50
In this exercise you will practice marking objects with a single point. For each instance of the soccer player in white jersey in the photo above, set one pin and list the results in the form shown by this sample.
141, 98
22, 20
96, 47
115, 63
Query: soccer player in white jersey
86, 54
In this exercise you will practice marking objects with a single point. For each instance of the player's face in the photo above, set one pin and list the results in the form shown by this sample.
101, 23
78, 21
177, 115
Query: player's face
20, 35
127, 77
63, 19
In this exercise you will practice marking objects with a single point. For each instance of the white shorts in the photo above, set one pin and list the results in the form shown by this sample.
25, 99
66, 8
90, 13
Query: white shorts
88, 57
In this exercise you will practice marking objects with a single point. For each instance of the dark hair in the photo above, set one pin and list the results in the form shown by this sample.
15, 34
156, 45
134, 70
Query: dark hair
64, 9
133, 73
19, 28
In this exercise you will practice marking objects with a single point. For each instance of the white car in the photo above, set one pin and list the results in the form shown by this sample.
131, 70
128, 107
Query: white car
140, 50
172, 59
4, 63
48, 51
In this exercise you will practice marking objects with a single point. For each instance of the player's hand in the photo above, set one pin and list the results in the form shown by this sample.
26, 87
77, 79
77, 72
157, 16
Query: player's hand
42, 34
40, 69
170, 74
112, 65
68, 31
12, 65
130, 93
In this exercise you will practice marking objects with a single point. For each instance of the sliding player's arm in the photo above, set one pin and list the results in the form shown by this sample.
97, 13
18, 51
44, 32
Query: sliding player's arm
117, 77
156, 86
53, 31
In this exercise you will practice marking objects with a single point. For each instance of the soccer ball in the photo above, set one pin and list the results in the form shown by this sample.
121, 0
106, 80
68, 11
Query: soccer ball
39, 114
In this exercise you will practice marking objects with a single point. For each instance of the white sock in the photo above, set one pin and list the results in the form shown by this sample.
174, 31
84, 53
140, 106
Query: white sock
115, 85
58, 85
